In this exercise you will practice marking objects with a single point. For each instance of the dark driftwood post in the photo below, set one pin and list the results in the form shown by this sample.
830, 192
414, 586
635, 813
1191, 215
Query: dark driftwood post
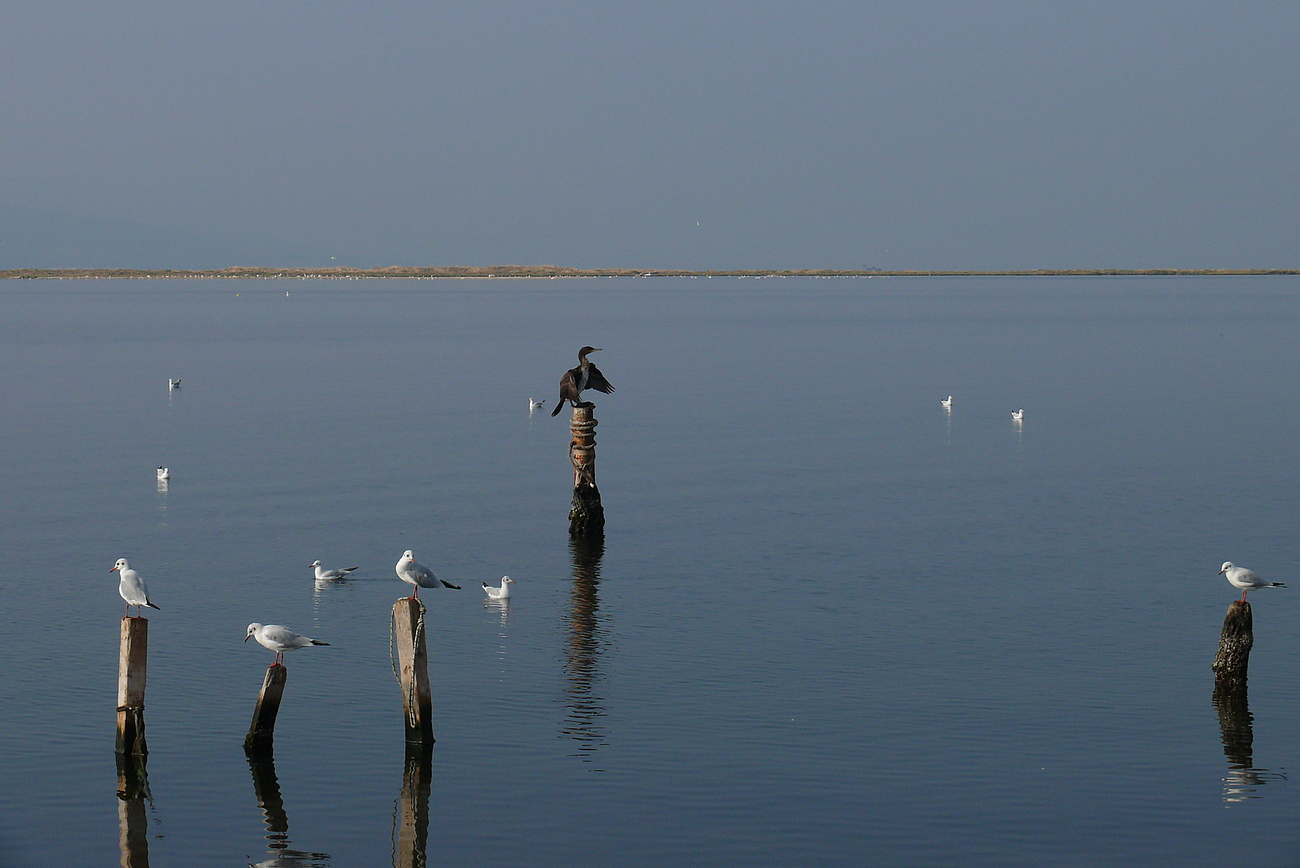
133, 652
1234, 647
586, 515
261, 733
413, 670
413, 833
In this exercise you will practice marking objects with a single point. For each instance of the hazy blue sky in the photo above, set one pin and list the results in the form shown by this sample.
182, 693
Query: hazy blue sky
670, 134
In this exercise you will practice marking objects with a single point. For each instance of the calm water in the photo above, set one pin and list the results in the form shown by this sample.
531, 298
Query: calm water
831, 623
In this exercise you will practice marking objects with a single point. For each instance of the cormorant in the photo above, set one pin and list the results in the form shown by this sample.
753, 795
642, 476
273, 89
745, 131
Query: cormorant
575, 380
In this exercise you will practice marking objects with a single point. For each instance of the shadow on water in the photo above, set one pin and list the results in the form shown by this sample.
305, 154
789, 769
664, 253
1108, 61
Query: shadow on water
132, 819
582, 652
1236, 726
411, 811
267, 788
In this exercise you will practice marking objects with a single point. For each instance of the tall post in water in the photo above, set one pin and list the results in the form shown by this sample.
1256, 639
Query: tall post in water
133, 652
261, 733
586, 514
413, 807
413, 670
1234, 647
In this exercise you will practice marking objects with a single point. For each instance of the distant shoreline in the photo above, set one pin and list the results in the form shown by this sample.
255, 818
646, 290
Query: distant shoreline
550, 271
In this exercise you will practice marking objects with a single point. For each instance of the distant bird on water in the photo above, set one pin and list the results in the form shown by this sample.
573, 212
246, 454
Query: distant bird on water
946, 402
1017, 415
501, 593
278, 638
534, 405
1240, 577
131, 587
415, 573
576, 380
322, 573
173, 385
163, 474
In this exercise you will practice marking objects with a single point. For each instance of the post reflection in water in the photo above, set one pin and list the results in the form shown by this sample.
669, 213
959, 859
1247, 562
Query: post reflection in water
132, 820
582, 651
267, 788
1236, 726
411, 812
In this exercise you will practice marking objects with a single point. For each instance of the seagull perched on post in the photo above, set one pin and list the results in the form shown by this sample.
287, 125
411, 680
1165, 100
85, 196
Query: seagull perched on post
415, 573
1240, 577
322, 573
131, 587
576, 380
278, 638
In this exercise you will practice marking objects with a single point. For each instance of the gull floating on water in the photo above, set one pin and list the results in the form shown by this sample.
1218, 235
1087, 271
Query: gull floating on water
163, 473
946, 402
501, 593
1017, 415
173, 385
1240, 577
534, 405
322, 573
278, 638
131, 587
414, 573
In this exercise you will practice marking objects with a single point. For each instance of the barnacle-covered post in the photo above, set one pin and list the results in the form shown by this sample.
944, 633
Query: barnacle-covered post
586, 514
1234, 647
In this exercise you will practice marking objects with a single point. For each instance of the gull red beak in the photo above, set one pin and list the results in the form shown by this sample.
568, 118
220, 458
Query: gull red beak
113, 570
249, 636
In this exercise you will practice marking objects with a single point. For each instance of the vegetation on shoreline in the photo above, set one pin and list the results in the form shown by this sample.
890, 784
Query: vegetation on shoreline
243, 272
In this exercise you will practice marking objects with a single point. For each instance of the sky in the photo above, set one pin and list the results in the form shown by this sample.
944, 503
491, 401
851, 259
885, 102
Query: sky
932, 135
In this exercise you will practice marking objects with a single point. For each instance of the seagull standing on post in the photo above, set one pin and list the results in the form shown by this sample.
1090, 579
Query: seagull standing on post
131, 587
1240, 577
575, 380
415, 573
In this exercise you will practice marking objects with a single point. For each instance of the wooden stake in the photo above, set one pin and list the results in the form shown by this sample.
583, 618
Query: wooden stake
586, 514
413, 833
261, 733
132, 833
132, 663
413, 670
1234, 646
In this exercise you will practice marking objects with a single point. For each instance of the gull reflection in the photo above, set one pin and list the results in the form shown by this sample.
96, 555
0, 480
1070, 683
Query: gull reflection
582, 650
411, 811
1236, 727
132, 821
267, 788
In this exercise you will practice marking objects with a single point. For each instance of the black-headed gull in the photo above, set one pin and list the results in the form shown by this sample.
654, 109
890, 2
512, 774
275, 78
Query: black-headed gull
414, 573
1017, 415
946, 402
534, 405
501, 593
131, 587
163, 474
322, 573
278, 638
1240, 577
173, 385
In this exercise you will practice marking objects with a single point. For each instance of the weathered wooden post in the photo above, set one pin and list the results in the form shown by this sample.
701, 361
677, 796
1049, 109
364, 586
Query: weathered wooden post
132, 663
413, 670
586, 515
413, 833
1234, 647
261, 733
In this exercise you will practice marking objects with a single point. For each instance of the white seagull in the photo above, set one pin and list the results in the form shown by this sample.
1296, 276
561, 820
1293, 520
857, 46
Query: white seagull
946, 402
173, 385
163, 474
1018, 415
131, 587
414, 573
322, 573
534, 405
501, 593
279, 639
1240, 577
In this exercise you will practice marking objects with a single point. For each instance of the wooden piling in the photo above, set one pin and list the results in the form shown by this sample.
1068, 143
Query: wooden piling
1234, 646
132, 821
413, 670
413, 807
586, 514
132, 663
261, 733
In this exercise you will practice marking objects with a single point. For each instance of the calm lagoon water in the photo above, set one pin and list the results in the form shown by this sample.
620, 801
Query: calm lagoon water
831, 623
